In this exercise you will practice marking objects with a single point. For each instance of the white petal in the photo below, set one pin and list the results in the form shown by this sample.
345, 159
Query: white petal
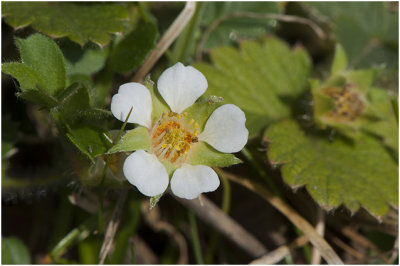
225, 130
181, 86
132, 95
144, 171
190, 181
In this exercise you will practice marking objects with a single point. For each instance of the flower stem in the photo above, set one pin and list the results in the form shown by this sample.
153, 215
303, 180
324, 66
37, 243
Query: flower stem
103, 176
195, 238
249, 157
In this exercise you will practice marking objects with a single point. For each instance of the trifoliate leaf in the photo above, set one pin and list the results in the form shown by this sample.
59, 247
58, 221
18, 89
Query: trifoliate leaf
135, 139
204, 154
90, 140
14, 251
131, 52
262, 79
81, 22
44, 57
356, 173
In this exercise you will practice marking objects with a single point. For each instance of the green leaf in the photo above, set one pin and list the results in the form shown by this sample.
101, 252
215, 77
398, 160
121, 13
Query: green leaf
356, 173
27, 78
75, 105
387, 126
204, 154
90, 140
81, 22
131, 52
235, 28
135, 139
83, 60
262, 79
14, 251
339, 63
44, 57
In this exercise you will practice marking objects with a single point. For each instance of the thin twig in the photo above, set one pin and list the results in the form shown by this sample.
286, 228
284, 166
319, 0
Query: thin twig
169, 37
152, 217
323, 247
285, 18
216, 218
278, 254
112, 228
320, 228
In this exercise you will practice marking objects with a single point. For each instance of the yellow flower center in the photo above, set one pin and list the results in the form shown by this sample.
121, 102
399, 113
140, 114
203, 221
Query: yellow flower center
172, 136
348, 105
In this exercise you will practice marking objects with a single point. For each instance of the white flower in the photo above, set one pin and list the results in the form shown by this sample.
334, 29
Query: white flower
173, 136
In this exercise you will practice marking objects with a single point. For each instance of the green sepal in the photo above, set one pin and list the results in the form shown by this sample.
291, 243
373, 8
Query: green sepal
339, 63
154, 200
201, 110
158, 103
135, 139
203, 154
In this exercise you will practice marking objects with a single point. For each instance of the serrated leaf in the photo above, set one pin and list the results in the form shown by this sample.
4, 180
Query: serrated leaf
81, 22
27, 78
339, 63
204, 154
262, 79
356, 173
131, 52
44, 57
90, 140
14, 251
135, 139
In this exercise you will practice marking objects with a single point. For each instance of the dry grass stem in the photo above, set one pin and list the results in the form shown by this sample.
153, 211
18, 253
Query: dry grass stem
112, 227
278, 254
168, 38
285, 18
320, 228
319, 243
216, 218
359, 256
